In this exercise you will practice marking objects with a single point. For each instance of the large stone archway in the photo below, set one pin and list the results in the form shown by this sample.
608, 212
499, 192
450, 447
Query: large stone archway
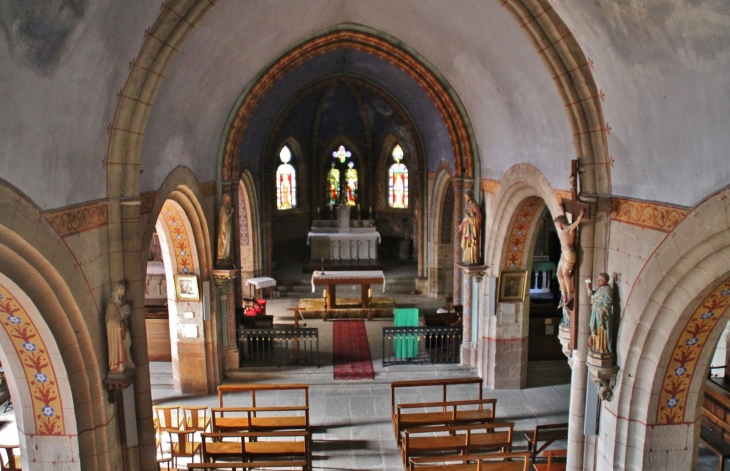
54, 363
665, 344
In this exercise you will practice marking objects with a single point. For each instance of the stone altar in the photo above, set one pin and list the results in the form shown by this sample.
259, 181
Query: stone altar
343, 238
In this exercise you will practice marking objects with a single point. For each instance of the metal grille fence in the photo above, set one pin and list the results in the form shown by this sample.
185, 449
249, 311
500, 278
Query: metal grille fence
421, 345
280, 346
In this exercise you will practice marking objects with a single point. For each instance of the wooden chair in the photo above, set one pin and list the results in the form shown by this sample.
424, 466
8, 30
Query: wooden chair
195, 418
184, 446
10, 460
158, 447
550, 466
168, 417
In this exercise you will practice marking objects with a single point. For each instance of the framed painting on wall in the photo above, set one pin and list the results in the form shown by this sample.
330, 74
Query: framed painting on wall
186, 288
512, 286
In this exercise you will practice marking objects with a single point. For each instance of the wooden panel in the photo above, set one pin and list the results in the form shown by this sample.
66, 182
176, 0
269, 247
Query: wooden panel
158, 339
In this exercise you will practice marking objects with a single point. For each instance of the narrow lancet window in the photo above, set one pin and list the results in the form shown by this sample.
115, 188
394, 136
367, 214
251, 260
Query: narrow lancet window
398, 181
286, 182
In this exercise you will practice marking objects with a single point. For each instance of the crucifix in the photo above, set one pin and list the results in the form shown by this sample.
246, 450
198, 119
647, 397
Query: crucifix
569, 235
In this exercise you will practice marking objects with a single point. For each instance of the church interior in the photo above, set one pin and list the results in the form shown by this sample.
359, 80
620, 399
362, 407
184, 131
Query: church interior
206, 201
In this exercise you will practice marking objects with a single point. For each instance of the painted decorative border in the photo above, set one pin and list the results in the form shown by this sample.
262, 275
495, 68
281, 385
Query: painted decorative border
242, 219
490, 186
368, 43
78, 219
36, 361
181, 243
687, 351
655, 216
518, 235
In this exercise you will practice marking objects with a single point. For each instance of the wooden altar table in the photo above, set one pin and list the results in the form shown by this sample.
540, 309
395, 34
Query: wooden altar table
333, 278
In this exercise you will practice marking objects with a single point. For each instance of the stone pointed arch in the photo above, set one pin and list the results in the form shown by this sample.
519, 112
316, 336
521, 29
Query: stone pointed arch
441, 253
53, 305
672, 292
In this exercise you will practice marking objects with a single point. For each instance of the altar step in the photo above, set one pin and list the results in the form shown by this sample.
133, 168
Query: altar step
303, 288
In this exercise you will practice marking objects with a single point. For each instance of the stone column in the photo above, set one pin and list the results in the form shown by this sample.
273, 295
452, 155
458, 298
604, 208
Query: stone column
226, 292
458, 183
576, 439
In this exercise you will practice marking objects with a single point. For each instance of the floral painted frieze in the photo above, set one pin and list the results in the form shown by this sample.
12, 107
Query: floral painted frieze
180, 240
518, 235
655, 216
683, 362
37, 366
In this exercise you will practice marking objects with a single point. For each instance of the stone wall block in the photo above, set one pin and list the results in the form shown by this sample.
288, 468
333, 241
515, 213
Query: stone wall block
669, 437
667, 255
650, 240
711, 217
679, 460
652, 460
720, 240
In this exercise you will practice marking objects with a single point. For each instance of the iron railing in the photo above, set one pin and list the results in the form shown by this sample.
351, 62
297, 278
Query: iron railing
278, 346
421, 345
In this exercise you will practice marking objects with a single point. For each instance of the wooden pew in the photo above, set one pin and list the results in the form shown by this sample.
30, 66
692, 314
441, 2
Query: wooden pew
517, 461
235, 466
479, 411
444, 384
550, 465
261, 445
544, 435
261, 389
241, 419
451, 439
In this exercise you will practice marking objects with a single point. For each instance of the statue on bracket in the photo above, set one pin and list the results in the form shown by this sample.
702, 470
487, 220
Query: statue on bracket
566, 234
601, 315
117, 332
470, 230
601, 360
223, 252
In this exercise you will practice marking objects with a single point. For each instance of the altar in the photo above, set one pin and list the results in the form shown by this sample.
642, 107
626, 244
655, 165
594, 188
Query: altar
343, 238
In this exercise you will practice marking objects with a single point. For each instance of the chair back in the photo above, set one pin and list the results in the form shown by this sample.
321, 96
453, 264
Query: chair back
196, 418
168, 417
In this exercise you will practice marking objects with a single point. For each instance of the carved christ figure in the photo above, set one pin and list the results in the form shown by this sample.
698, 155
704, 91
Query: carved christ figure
566, 234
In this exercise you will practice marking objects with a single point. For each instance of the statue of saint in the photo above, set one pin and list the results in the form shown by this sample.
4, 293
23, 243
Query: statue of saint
566, 234
117, 332
601, 315
224, 228
469, 229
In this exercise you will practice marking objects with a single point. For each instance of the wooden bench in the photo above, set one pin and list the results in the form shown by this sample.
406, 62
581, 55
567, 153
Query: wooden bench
262, 445
479, 411
235, 466
242, 419
716, 445
550, 465
451, 439
261, 389
517, 461
474, 383
544, 435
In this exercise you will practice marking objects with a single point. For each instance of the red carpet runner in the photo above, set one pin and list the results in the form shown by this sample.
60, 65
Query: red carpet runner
351, 351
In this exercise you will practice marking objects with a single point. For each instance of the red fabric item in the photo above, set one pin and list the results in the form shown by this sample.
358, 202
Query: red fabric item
351, 352
255, 307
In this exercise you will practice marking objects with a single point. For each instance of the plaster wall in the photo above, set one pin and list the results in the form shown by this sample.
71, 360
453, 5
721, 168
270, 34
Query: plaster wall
663, 67
61, 71
509, 97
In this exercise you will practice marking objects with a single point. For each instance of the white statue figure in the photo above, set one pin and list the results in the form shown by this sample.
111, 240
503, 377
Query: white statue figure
117, 332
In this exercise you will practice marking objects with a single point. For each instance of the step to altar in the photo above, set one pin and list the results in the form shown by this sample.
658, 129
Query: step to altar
347, 308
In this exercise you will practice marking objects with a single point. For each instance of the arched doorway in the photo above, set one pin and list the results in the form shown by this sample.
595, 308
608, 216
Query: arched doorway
442, 236
185, 290
670, 326
37, 381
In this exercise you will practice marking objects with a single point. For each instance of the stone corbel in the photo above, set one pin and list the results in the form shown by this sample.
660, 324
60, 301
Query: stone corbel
564, 339
603, 373
474, 271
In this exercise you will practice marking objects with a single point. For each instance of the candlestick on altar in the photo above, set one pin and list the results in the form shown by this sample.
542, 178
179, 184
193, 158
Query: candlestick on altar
358, 211
370, 212
317, 212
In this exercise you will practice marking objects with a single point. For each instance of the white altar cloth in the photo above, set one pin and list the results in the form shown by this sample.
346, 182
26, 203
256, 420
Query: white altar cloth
342, 277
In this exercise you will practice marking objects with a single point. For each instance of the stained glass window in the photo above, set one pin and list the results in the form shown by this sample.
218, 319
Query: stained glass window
286, 182
333, 185
351, 181
398, 181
